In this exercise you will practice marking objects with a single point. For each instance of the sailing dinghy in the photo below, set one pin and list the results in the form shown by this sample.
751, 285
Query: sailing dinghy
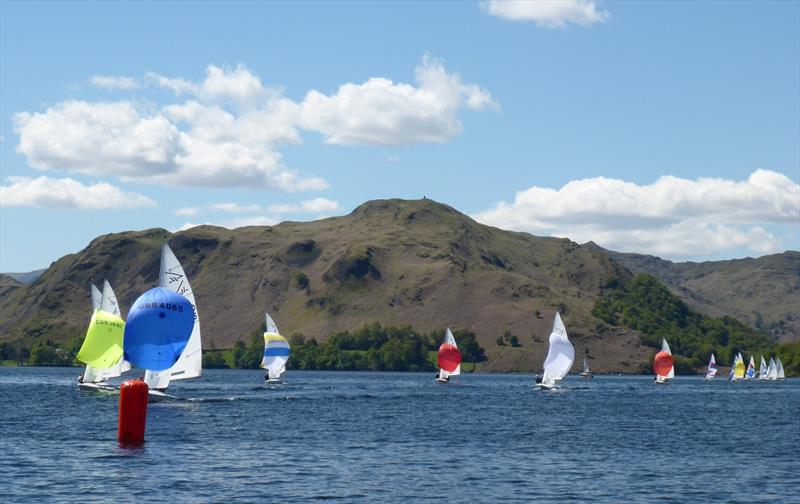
159, 328
276, 353
585, 373
448, 359
750, 374
779, 374
712, 368
663, 365
190, 364
737, 373
560, 356
762, 369
772, 370
102, 348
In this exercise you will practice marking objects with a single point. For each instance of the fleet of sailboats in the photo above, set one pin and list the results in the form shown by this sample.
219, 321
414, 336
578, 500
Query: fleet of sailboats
276, 353
448, 358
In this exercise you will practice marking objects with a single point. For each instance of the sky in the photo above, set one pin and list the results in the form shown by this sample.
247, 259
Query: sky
664, 128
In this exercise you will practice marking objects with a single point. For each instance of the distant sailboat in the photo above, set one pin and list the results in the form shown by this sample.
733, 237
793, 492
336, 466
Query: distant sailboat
560, 356
779, 374
751, 369
762, 369
102, 348
585, 373
276, 353
448, 359
712, 368
772, 370
738, 370
190, 364
663, 365
159, 328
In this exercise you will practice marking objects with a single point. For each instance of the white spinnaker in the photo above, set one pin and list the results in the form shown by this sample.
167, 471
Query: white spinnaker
665, 348
560, 355
449, 338
190, 363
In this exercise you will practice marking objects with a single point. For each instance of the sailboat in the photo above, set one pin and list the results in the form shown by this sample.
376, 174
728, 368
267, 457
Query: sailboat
585, 373
751, 369
560, 356
772, 370
102, 348
779, 374
276, 353
663, 365
190, 364
762, 369
738, 369
158, 330
449, 358
712, 368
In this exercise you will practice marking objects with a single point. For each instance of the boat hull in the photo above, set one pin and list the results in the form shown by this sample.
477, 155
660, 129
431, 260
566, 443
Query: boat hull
98, 387
158, 396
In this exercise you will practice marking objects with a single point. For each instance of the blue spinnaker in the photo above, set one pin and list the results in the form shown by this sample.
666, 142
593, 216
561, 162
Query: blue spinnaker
158, 327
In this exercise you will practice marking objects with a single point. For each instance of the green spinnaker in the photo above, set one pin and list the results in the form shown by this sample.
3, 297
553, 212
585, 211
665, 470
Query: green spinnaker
102, 347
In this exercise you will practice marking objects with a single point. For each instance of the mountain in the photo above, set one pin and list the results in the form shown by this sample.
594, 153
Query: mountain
763, 292
25, 278
395, 262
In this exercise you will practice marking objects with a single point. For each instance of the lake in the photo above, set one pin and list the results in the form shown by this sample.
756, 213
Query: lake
372, 437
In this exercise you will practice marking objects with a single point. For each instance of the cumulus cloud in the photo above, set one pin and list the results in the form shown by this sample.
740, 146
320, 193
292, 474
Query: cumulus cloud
45, 192
236, 208
187, 211
383, 112
111, 82
229, 130
255, 220
673, 217
547, 13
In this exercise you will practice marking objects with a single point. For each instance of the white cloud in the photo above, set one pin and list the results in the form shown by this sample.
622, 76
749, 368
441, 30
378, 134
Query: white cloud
110, 82
236, 208
316, 205
672, 217
547, 13
256, 220
382, 112
187, 211
229, 130
45, 192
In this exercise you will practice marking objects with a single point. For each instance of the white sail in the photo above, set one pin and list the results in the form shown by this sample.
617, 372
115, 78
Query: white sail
665, 348
772, 370
712, 368
585, 365
276, 351
779, 374
751, 369
190, 363
560, 355
97, 298
762, 369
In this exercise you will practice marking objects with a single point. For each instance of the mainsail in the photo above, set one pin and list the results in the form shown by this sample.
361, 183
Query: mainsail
663, 365
772, 370
779, 375
560, 354
190, 363
449, 358
585, 368
276, 351
712, 368
762, 369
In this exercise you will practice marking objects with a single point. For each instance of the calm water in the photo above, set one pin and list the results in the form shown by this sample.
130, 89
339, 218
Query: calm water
386, 436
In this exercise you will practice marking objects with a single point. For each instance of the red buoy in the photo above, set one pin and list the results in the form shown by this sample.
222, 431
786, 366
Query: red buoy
132, 412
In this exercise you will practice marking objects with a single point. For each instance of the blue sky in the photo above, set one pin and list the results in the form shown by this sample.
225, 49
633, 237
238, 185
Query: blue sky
668, 128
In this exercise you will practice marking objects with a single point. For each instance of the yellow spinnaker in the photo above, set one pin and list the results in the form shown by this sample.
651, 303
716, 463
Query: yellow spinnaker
102, 347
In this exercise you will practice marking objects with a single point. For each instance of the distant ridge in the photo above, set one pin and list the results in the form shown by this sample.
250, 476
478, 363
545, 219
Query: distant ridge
26, 278
763, 292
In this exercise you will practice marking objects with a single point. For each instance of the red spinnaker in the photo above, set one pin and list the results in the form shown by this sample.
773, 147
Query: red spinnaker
449, 357
662, 363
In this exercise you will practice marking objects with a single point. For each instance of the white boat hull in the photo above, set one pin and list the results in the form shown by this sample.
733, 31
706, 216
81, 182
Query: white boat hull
98, 387
274, 381
442, 380
157, 395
